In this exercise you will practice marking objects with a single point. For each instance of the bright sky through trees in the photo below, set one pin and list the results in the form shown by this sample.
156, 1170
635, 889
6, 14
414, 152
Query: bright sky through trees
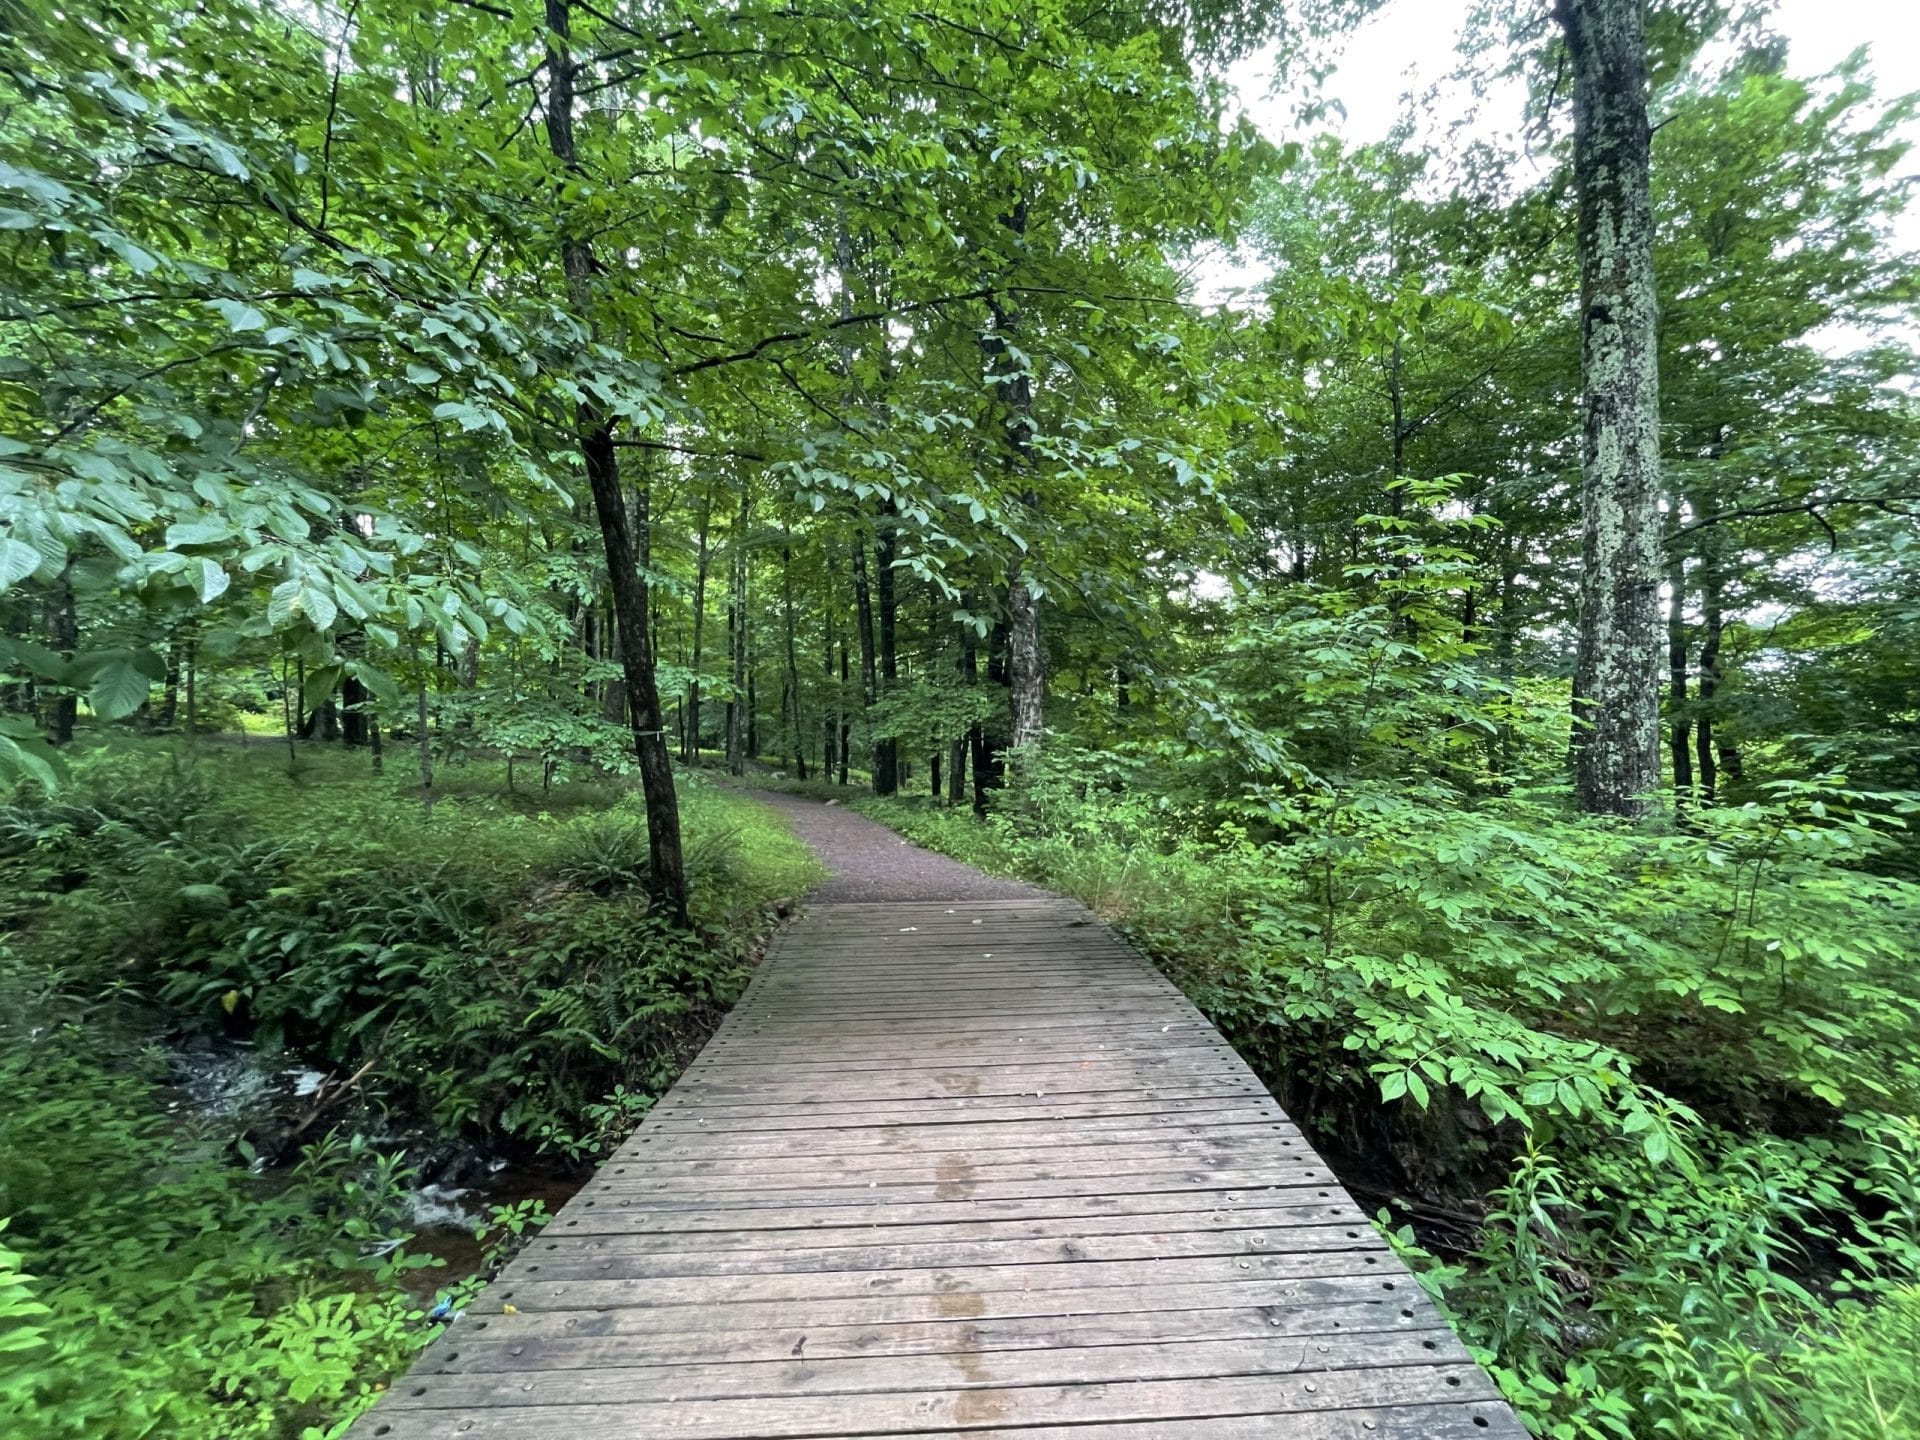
1387, 64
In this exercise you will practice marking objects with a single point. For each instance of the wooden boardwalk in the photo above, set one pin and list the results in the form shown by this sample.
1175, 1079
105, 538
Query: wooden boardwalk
955, 1169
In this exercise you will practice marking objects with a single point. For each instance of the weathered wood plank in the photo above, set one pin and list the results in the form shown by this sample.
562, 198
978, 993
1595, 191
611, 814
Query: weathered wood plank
582, 1309
632, 1215
987, 1183
910, 1412
757, 1252
1009, 1145
1483, 1421
958, 1284
555, 1341
963, 1369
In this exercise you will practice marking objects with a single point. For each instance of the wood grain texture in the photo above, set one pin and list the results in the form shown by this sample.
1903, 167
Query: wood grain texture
955, 1169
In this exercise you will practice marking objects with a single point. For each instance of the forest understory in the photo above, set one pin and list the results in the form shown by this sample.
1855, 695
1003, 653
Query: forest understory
292, 1060
1451, 595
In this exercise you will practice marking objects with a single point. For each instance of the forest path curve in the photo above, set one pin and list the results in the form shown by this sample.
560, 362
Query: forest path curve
869, 863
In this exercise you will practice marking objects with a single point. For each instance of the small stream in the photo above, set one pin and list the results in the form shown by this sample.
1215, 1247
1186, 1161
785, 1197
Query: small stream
228, 1088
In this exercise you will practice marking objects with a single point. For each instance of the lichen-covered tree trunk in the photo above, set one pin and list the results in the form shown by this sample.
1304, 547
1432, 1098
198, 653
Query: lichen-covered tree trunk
1617, 765
1026, 688
1026, 676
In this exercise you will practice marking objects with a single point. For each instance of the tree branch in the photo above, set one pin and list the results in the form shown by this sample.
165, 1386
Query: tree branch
868, 317
1813, 507
637, 444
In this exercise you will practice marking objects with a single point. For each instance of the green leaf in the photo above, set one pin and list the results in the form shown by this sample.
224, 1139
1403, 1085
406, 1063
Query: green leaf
198, 532
317, 604
29, 759
300, 598
283, 603
17, 562
212, 581
239, 315
471, 417
118, 689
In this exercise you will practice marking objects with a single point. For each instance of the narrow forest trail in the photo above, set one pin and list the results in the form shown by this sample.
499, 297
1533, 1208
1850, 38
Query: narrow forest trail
868, 862
958, 1163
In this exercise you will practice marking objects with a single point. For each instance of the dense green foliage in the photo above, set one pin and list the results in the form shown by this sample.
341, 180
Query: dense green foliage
432, 389
165, 1290
1682, 1066
492, 972
463, 951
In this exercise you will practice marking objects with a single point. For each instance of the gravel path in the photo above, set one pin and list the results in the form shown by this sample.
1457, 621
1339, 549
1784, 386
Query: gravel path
868, 862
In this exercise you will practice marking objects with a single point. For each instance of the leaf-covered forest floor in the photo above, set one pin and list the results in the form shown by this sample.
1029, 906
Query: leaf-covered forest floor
288, 1061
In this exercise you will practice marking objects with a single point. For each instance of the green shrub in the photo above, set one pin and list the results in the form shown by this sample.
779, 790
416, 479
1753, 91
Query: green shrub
1677, 1069
484, 970
172, 1293
496, 971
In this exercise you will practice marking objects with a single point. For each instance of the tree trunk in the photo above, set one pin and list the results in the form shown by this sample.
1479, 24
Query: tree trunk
1618, 763
886, 752
289, 722
1679, 721
1026, 685
988, 772
667, 870
846, 722
192, 667
869, 675
739, 705
63, 634
956, 773
1712, 623
753, 710
702, 562
1026, 680
170, 692
425, 736
830, 710
353, 712
613, 696
793, 665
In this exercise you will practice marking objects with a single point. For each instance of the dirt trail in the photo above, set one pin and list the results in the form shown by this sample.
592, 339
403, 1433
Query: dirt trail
868, 862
